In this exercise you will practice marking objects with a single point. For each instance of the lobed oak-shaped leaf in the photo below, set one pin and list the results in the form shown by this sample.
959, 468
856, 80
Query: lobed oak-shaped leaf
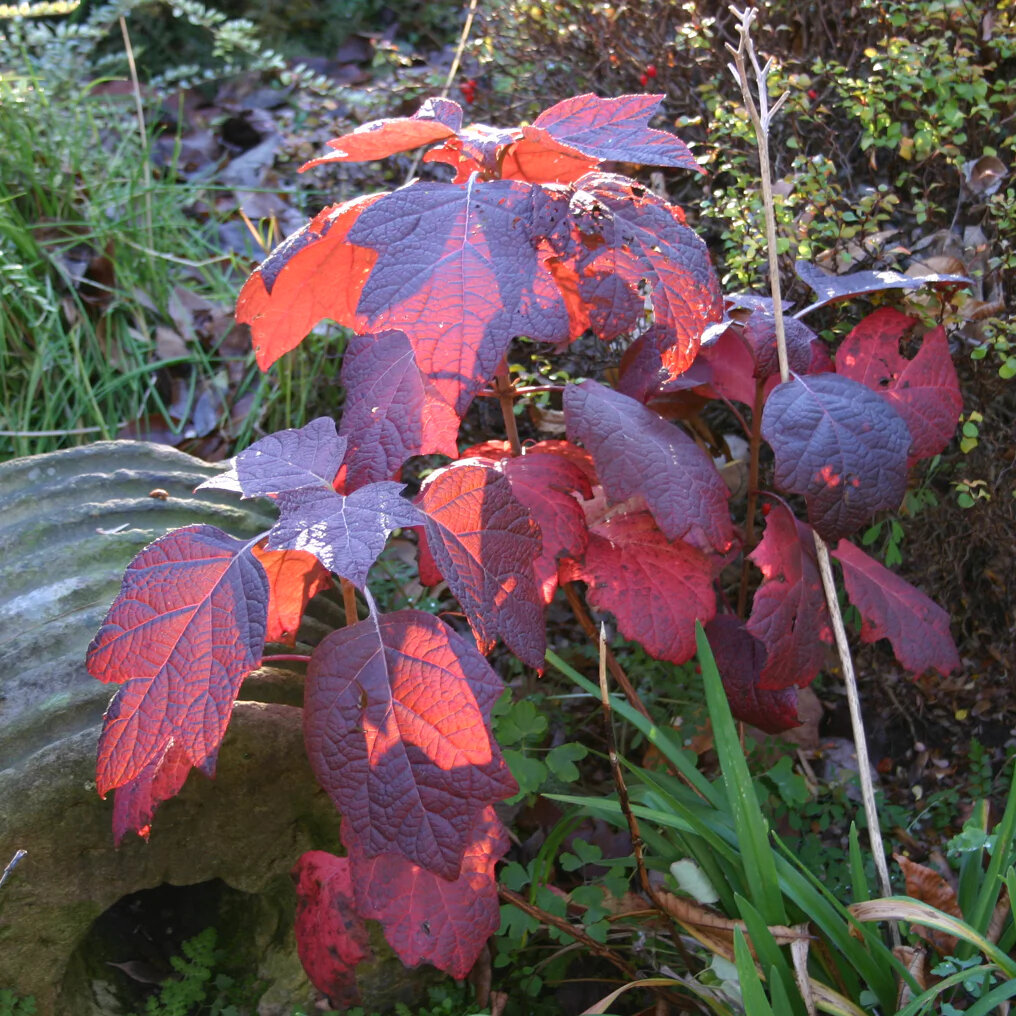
831, 288
917, 628
396, 720
638, 452
477, 148
312, 275
331, 938
429, 919
307, 456
459, 272
629, 237
392, 409
656, 589
485, 544
740, 659
789, 614
839, 445
925, 391
186, 628
294, 578
538, 158
612, 130
345, 532
759, 333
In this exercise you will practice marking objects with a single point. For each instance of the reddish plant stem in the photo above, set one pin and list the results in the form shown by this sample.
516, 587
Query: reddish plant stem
285, 658
755, 446
349, 602
616, 670
504, 389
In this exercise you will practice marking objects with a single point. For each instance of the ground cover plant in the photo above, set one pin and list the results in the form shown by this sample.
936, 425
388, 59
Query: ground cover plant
531, 238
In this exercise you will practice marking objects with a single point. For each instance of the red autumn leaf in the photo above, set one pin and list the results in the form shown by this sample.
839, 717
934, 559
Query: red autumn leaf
892, 608
789, 614
840, 446
392, 409
381, 138
476, 280
740, 658
656, 589
628, 236
925, 391
643, 376
134, 803
428, 919
345, 532
331, 937
312, 275
612, 130
485, 544
396, 721
186, 628
759, 333
538, 158
476, 149
637, 452
546, 485
294, 578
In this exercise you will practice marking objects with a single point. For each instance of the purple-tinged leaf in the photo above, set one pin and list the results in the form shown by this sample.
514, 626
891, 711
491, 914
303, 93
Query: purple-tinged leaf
656, 589
331, 938
759, 333
740, 658
186, 628
917, 628
789, 614
629, 237
638, 452
475, 149
643, 376
831, 288
485, 544
396, 720
286, 460
345, 532
135, 802
839, 445
925, 391
612, 130
294, 578
459, 272
392, 409
426, 918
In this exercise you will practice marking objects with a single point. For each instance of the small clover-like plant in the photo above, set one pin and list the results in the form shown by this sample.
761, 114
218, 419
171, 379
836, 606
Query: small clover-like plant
530, 238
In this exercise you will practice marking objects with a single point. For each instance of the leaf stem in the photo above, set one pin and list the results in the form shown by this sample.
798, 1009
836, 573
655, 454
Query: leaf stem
761, 117
286, 658
349, 602
504, 389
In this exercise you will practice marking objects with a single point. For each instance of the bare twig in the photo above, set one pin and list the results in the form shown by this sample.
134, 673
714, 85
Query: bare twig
12, 864
761, 118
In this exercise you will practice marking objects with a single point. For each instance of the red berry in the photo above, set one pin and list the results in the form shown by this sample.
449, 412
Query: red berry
644, 80
812, 94
651, 70
766, 509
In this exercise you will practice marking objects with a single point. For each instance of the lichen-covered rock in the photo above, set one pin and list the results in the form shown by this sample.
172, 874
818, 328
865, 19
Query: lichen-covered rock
69, 524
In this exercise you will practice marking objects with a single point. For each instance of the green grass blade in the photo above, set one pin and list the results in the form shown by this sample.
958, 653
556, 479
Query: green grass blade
771, 958
1001, 859
857, 876
752, 828
752, 993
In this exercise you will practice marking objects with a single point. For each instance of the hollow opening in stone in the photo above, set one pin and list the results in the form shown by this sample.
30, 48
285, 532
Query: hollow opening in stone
128, 954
